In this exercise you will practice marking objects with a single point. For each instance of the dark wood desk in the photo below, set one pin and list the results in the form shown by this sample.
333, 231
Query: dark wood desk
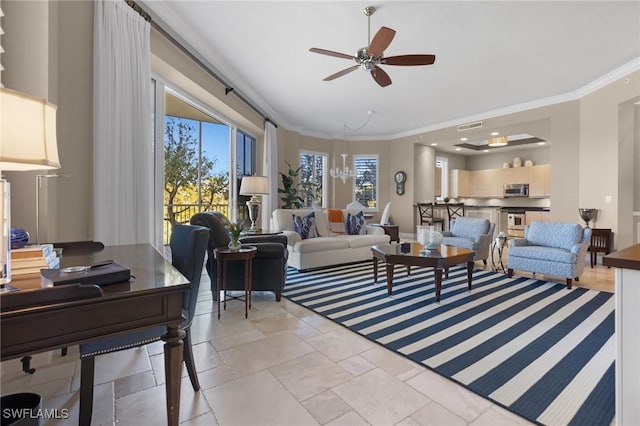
154, 298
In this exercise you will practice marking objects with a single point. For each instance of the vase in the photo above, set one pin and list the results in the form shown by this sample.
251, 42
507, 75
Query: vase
434, 239
235, 244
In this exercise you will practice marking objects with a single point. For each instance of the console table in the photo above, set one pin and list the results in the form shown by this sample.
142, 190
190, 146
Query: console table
153, 298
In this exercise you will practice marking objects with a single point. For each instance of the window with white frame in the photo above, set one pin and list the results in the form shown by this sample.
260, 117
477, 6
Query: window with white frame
313, 176
366, 181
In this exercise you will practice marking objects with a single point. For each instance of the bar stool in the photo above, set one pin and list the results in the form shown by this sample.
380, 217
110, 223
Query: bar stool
425, 211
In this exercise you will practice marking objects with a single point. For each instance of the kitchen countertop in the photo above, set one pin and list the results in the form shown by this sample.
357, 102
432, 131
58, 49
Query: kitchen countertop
628, 258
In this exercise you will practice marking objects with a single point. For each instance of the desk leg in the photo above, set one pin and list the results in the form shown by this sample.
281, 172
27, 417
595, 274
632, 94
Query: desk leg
438, 277
219, 285
172, 369
247, 287
389, 278
469, 273
375, 270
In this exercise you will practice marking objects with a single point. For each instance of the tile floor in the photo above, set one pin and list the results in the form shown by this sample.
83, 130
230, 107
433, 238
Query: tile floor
284, 365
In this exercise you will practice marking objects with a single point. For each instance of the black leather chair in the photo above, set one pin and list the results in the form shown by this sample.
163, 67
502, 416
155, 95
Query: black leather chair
188, 245
269, 263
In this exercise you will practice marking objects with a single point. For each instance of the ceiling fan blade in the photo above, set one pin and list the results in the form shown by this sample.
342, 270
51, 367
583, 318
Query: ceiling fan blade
341, 73
381, 77
381, 41
409, 60
331, 53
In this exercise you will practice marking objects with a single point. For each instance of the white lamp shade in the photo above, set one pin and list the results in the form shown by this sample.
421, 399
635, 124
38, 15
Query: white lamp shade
254, 185
27, 132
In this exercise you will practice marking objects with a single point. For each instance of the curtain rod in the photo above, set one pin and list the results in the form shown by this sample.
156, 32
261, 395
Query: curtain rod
227, 88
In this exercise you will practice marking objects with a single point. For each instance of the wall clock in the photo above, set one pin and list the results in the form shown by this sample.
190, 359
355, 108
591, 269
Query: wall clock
400, 177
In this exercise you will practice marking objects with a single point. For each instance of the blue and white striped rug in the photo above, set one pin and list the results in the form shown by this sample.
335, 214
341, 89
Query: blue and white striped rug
531, 346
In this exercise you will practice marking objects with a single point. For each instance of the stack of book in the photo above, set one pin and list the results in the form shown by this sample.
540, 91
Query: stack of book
30, 259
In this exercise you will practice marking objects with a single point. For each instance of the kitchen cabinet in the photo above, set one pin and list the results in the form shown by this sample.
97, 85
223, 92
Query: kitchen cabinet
459, 184
486, 183
489, 183
539, 183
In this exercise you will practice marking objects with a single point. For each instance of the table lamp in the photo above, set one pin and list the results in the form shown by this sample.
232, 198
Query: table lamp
27, 142
254, 186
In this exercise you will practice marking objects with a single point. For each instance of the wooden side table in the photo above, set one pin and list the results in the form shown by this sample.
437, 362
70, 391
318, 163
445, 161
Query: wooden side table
393, 231
244, 254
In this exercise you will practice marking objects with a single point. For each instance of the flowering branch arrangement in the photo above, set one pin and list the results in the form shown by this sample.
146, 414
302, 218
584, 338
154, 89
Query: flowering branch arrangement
235, 229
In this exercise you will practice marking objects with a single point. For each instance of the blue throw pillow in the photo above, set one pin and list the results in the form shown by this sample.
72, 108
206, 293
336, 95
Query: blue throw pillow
355, 223
305, 226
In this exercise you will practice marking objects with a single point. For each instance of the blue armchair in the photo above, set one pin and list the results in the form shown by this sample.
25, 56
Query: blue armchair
471, 233
550, 248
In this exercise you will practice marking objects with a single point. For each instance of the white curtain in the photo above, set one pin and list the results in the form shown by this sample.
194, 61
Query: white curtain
270, 169
122, 145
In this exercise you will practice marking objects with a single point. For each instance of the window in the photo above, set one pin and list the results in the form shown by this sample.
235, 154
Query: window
313, 175
366, 181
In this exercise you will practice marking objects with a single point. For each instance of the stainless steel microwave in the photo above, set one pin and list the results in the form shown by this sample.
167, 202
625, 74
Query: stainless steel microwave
516, 190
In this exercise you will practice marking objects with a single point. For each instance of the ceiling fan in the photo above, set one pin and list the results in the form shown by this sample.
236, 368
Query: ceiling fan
369, 58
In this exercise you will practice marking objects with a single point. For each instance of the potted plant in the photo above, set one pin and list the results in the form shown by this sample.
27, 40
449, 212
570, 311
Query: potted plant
235, 229
291, 198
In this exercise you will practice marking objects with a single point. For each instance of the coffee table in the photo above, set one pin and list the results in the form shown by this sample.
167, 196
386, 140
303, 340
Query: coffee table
413, 254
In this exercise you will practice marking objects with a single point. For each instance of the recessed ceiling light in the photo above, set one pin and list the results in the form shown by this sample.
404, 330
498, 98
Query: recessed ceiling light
495, 133
464, 139
486, 150
458, 149
541, 143
434, 144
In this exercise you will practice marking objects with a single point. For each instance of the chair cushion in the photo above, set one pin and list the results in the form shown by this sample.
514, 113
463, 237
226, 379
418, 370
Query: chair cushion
469, 227
386, 213
552, 234
461, 242
551, 254
305, 226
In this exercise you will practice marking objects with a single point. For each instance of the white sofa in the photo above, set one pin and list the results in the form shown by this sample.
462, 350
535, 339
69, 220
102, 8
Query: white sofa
328, 248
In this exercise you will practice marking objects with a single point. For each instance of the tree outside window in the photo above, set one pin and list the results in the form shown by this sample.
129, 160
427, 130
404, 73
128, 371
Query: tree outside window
313, 172
366, 181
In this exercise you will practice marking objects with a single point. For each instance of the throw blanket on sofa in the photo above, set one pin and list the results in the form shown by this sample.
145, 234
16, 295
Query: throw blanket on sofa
336, 221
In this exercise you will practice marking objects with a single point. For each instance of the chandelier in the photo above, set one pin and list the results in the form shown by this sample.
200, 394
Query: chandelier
345, 173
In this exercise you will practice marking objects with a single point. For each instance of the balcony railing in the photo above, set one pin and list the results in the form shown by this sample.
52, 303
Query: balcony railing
183, 212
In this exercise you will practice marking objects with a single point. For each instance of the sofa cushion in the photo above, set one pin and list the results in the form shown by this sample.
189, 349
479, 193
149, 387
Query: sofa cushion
551, 254
322, 226
469, 227
356, 241
552, 234
283, 219
305, 226
355, 223
320, 244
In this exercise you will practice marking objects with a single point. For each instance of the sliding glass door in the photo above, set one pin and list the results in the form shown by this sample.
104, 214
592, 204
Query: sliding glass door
203, 160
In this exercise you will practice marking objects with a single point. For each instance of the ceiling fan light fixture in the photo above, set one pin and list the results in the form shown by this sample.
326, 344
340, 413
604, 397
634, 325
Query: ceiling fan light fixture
498, 141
